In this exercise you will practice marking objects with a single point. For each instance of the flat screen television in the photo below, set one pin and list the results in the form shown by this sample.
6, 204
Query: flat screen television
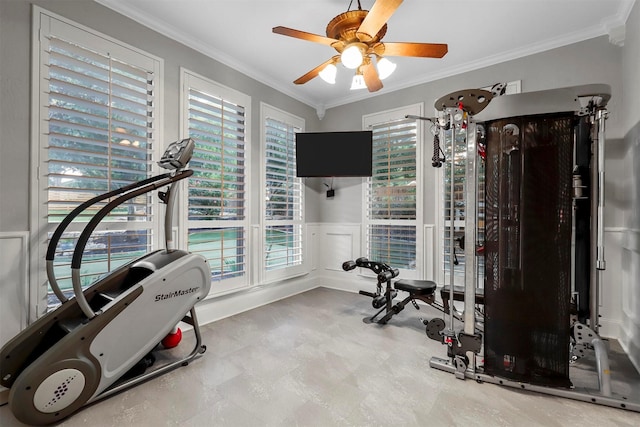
334, 154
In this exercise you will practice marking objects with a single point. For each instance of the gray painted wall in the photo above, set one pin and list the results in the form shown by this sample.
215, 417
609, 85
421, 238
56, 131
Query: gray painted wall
631, 107
628, 195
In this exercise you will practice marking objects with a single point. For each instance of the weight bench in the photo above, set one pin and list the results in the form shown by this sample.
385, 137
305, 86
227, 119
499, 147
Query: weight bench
423, 290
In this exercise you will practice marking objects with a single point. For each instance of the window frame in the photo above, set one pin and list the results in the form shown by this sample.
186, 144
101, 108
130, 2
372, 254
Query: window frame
368, 121
45, 23
266, 112
233, 284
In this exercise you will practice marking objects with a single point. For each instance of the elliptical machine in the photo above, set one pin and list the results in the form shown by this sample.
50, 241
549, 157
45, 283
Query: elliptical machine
80, 352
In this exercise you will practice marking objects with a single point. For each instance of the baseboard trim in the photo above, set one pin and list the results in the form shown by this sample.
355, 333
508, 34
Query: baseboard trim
610, 329
225, 306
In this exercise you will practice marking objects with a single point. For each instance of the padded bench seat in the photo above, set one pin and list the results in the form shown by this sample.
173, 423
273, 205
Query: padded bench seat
416, 287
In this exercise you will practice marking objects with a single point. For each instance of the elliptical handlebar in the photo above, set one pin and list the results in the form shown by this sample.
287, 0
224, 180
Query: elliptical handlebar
175, 158
57, 234
78, 252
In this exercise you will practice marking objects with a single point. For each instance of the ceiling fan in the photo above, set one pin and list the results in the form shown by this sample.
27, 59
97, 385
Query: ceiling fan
357, 36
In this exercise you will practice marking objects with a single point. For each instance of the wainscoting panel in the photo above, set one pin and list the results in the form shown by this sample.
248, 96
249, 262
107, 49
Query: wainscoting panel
630, 292
430, 252
631, 275
340, 243
14, 283
313, 246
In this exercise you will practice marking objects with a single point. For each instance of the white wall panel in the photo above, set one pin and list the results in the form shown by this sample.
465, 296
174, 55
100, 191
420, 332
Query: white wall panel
339, 244
630, 291
430, 252
14, 284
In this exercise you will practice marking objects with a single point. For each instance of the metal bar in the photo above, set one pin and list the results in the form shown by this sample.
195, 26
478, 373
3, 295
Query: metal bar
53, 282
597, 217
451, 216
602, 365
168, 216
575, 394
414, 117
601, 117
470, 260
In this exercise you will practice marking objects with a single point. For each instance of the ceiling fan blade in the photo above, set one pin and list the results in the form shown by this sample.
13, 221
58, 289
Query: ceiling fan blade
304, 35
380, 12
424, 50
313, 73
371, 78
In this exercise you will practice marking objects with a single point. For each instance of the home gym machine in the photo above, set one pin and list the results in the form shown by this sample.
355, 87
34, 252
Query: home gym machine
544, 194
83, 351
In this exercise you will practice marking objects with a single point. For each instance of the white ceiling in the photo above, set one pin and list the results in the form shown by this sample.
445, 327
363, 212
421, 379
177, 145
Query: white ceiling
479, 33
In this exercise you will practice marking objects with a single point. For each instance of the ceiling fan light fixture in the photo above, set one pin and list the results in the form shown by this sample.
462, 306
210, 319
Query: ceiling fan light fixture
358, 82
328, 74
385, 68
352, 56
357, 37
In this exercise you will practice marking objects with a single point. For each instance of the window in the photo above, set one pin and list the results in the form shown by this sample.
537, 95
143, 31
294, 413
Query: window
283, 195
95, 132
216, 207
394, 191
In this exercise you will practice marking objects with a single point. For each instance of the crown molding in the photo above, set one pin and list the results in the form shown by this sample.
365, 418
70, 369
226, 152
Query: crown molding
613, 27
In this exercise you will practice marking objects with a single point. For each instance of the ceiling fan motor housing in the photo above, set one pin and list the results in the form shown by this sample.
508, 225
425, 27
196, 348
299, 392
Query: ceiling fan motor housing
345, 26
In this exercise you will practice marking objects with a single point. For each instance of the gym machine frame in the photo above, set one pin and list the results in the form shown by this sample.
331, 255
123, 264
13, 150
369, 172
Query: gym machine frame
588, 101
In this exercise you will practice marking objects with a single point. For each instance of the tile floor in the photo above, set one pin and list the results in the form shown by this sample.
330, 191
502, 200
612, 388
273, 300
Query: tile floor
310, 360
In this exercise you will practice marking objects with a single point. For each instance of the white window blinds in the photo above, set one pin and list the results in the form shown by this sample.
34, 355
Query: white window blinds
393, 191
283, 194
101, 114
216, 191
215, 118
96, 133
392, 187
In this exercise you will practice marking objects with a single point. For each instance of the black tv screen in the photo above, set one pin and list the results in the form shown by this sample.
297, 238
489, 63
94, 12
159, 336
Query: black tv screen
339, 154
